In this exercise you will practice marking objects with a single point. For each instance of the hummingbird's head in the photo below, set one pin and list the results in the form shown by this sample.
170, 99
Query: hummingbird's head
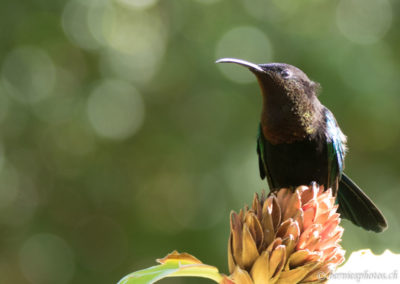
279, 79
291, 109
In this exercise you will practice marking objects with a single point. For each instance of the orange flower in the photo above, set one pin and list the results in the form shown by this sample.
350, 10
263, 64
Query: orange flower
288, 237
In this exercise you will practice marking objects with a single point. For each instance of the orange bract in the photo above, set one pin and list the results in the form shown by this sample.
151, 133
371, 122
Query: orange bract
288, 237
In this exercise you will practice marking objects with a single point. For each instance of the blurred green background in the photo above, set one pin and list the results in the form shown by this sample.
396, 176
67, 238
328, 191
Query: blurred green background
121, 140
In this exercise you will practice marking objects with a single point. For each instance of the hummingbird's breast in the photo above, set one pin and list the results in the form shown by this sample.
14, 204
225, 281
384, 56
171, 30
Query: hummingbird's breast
285, 120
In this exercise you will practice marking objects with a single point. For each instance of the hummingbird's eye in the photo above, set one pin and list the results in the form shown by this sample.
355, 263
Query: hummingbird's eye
285, 73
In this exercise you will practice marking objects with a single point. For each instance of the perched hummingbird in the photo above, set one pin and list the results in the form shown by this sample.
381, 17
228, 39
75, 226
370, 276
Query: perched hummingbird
300, 142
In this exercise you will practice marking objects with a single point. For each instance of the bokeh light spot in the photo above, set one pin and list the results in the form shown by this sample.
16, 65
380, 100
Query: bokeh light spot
359, 69
28, 74
115, 109
248, 43
47, 259
364, 21
75, 23
139, 4
132, 41
207, 1
135, 43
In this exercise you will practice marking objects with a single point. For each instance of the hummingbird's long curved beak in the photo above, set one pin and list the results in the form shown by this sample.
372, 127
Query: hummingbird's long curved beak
251, 66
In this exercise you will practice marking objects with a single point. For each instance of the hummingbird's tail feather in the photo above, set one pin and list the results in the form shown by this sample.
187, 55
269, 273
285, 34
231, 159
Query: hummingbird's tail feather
357, 207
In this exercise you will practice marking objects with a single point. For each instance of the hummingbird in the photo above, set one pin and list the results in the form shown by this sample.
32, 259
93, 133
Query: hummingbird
299, 141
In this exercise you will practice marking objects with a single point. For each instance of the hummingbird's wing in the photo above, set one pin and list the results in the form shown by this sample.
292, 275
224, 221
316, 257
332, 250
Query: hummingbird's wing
260, 150
336, 150
262, 165
354, 204
260, 162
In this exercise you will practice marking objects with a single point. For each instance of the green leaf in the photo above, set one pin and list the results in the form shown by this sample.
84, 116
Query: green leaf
174, 265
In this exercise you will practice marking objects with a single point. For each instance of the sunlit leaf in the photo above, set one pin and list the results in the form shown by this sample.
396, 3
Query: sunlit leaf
174, 265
